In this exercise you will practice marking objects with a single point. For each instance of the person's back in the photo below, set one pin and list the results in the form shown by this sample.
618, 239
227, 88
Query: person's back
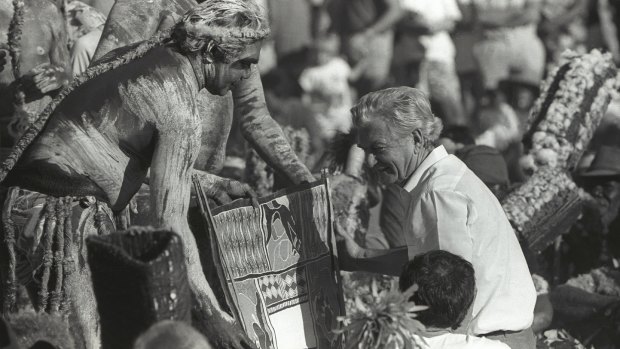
112, 120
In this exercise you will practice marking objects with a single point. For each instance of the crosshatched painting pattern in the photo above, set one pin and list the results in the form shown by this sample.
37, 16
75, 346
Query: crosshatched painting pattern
280, 269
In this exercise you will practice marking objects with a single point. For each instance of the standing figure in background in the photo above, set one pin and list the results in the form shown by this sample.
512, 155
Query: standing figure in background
39, 64
366, 28
508, 47
437, 76
562, 27
90, 22
464, 37
326, 89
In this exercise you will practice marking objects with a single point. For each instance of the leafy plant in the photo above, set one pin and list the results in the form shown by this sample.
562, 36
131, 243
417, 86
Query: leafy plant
382, 319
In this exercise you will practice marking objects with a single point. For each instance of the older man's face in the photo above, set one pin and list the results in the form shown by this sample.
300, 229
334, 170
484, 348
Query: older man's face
390, 153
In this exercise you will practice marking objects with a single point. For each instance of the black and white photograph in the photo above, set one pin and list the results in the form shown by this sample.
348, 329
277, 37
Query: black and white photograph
309, 174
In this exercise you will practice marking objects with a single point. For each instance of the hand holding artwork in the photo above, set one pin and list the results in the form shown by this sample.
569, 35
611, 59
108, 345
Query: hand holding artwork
348, 249
226, 334
224, 190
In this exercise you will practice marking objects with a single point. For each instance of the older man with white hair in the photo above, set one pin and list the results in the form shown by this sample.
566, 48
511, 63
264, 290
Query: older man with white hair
449, 209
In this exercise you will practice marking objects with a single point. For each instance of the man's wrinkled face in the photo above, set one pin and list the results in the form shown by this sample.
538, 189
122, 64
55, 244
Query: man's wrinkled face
227, 74
389, 152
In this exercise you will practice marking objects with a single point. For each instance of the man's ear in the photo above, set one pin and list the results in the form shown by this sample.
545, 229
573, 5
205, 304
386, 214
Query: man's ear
417, 137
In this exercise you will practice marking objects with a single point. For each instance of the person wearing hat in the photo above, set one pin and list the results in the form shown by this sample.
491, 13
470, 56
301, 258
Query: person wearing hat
489, 165
602, 181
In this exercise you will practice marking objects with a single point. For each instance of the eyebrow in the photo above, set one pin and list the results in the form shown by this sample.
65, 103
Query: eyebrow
372, 146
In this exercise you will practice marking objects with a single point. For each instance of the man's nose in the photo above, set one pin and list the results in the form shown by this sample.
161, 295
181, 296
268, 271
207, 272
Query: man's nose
247, 74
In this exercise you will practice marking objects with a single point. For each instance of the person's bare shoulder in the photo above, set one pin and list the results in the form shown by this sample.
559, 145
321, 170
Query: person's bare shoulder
165, 90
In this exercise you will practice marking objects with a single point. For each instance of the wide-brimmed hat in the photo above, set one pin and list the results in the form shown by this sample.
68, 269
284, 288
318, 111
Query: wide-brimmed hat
606, 163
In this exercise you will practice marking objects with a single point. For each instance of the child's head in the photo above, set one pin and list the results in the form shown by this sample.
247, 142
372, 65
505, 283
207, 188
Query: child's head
171, 334
327, 47
446, 285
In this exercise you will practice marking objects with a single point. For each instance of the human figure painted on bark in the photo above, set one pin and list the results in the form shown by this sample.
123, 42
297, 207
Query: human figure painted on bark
136, 110
39, 66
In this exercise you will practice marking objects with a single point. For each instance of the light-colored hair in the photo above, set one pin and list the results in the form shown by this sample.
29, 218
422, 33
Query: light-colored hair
171, 334
229, 24
405, 109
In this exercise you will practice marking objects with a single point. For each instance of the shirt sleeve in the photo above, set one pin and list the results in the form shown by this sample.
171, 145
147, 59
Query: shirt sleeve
441, 221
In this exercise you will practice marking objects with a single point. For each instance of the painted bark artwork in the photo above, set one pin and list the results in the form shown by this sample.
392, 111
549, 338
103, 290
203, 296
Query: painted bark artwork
278, 263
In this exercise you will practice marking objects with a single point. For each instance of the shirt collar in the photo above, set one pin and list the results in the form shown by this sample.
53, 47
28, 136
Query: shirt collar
432, 158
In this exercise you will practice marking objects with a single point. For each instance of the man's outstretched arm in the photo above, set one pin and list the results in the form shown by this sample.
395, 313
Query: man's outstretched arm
171, 171
263, 133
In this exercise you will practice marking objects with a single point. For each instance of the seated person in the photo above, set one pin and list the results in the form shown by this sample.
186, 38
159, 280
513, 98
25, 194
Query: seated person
449, 208
446, 284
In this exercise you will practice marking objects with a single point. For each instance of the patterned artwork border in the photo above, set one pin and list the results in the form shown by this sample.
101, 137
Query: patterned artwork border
286, 295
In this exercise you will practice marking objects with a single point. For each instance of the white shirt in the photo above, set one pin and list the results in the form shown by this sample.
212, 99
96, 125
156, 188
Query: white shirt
439, 45
453, 210
462, 341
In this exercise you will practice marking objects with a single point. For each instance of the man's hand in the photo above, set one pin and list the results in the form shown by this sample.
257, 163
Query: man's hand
222, 333
45, 78
348, 250
225, 190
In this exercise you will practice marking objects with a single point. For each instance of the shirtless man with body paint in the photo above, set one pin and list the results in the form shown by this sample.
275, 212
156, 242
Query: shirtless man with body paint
137, 109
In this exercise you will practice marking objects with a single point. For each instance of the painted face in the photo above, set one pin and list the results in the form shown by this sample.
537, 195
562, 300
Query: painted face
227, 74
389, 153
